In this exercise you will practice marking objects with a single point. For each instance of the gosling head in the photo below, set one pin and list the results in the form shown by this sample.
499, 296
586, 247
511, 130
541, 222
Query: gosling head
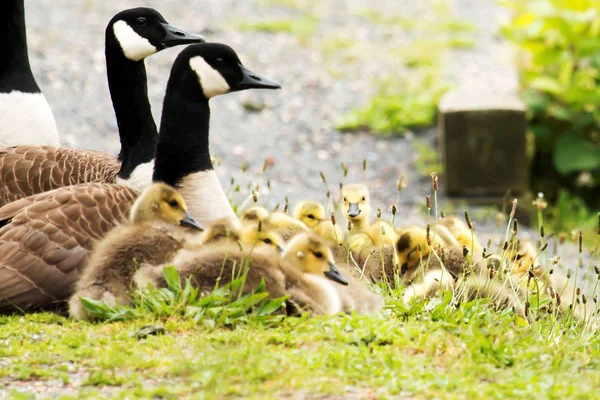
222, 229
411, 248
141, 32
254, 215
252, 236
310, 212
163, 204
309, 253
357, 204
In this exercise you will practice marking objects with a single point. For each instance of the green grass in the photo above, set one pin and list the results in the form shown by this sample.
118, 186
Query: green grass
302, 26
432, 350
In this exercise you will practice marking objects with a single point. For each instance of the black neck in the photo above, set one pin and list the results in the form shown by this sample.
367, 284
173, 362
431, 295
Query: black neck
128, 85
15, 72
182, 147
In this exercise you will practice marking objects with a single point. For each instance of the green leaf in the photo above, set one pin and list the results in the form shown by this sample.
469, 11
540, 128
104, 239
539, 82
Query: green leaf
546, 84
172, 278
574, 153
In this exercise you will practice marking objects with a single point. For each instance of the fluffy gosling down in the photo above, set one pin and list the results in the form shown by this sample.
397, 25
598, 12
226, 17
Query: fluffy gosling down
154, 234
284, 224
312, 214
356, 208
308, 276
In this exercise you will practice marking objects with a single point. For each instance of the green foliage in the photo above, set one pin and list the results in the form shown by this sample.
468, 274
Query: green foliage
402, 103
560, 75
409, 98
223, 306
428, 160
302, 26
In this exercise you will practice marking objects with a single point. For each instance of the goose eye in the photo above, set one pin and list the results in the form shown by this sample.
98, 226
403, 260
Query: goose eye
318, 254
268, 241
174, 203
363, 199
345, 200
141, 21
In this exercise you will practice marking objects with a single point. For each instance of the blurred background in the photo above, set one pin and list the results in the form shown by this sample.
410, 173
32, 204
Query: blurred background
361, 82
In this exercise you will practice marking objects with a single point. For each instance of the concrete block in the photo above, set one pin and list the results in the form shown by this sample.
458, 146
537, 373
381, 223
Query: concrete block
483, 145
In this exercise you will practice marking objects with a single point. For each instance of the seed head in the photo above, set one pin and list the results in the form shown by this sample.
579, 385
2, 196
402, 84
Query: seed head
434, 179
580, 241
244, 166
514, 208
429, 234
428, 202
364, 164
468, 220
265, 164
568, 274
400, 183
539, 202
544, 247
542, 231
597, 270
255, 196
323, 177
332, 216
394, 209
515, 227
378, 213
276, 208
344, 169
465, 251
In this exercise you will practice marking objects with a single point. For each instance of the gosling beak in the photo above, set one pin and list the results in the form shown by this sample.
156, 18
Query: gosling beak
190, 222
175, 36
250, 80
335, 275
279, 249
353, 210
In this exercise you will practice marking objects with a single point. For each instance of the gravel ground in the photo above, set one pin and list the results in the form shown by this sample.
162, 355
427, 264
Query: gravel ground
295, 130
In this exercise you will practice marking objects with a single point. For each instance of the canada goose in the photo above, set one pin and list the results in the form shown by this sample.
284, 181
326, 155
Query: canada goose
46, 238
131, 36
219, 264
356, 208
285, 225
312, 214
25, 116
151, 236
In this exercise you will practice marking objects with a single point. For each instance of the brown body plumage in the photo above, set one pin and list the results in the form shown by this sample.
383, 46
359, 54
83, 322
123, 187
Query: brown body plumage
46, 244
27, 170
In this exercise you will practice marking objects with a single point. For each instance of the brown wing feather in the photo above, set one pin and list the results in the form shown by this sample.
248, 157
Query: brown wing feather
48, 238
28, 170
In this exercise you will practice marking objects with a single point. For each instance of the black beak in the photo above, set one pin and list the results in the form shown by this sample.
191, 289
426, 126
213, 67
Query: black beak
190, 222
335, 275
279, 249
250, 80
353, 210
175, 36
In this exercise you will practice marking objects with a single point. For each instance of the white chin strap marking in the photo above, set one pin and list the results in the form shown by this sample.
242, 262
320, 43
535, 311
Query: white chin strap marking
211, 81
134, 46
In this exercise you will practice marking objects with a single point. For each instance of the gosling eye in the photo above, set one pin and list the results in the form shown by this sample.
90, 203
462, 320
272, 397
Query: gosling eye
345, 200
363, 199
409, 255
174, 203
141, 21
310, 216
318, 254
519, 256
268, 241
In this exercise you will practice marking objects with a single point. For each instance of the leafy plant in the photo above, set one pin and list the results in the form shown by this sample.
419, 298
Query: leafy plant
223, 306
559, 66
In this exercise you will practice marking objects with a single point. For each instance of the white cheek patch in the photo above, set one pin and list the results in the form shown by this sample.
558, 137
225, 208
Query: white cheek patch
140, 178
133, 45
211, 81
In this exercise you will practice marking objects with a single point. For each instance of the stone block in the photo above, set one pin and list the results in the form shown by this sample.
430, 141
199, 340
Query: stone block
483, 145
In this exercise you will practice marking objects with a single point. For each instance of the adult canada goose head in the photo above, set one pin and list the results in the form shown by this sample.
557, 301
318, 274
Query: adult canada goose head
131, 36
200, 72
309, 253
25, 116
356, 204
163, 204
